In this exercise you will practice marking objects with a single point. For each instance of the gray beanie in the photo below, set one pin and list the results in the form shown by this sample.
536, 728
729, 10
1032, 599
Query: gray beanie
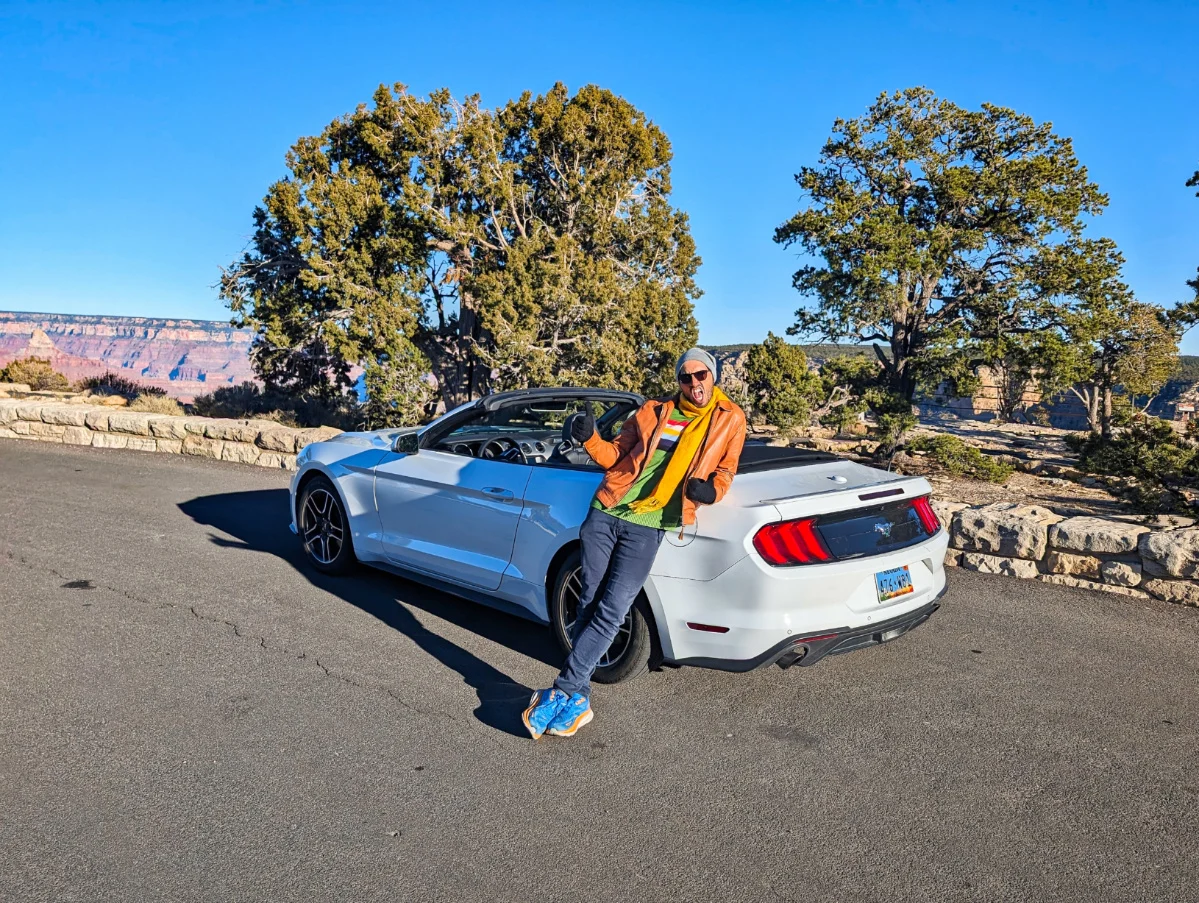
698, 354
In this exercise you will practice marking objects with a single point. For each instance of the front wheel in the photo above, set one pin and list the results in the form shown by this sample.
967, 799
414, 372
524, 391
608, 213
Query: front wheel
631, 649
324, 527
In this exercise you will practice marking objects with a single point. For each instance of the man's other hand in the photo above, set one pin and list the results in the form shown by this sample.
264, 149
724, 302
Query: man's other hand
583, 428
702, 492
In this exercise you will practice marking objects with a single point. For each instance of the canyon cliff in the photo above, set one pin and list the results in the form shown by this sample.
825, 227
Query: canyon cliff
184, 357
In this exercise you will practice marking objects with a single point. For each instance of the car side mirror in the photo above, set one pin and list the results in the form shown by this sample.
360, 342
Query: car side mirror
406, 444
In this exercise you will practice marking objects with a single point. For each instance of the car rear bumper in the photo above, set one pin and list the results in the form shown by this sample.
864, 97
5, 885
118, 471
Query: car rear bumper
805, 651
754, 614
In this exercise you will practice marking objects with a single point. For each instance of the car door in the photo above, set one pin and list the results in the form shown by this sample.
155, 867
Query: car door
450, 515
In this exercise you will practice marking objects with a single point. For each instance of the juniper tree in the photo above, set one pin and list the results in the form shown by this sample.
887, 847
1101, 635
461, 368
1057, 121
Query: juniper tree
530, 244
926, 219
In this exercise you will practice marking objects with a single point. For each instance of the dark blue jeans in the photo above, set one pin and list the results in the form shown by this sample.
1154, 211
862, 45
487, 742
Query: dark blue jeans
617, 557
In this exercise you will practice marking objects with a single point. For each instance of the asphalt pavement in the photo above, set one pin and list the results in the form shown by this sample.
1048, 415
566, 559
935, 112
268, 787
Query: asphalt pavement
187, 712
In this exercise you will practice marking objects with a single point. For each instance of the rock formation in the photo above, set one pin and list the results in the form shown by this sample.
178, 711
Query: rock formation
184, 357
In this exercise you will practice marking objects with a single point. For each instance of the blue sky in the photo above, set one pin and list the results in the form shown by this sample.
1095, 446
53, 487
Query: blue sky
137, 138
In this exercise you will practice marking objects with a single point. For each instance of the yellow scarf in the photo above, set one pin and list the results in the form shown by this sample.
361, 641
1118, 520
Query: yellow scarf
680, 460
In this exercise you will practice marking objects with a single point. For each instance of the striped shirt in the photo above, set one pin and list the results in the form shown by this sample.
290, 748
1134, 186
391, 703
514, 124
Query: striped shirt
675, 424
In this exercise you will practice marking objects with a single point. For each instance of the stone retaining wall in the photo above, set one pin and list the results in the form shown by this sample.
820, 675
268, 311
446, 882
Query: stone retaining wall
1141, 557
100, 424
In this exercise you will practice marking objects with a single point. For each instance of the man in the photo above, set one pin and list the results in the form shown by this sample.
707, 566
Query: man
671, 456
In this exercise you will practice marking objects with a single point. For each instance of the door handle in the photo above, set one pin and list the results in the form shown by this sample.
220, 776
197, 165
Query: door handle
499, 492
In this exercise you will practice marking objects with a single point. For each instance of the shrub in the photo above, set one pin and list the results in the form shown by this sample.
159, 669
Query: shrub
115, 384
894, 417
249, 400
156, 404
781, 386
36, 373
960, 459
1153, 462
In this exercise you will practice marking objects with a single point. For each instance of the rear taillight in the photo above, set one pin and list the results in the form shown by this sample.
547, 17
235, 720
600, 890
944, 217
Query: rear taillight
928, 517
791, 542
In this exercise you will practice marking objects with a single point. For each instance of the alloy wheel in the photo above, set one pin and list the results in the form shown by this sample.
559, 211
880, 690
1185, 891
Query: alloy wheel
572, 588
323, 526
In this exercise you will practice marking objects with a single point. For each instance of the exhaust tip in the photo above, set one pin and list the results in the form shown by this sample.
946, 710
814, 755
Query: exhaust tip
792, 657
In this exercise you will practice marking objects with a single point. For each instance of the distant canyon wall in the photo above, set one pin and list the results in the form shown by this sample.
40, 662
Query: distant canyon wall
186, 358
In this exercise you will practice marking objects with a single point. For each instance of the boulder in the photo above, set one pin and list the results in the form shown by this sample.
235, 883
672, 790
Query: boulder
1095, 534
271, 459
21, 428
166, 427
1121, 573
1007, 529
132, 422
279, 439
109, 440
141, 443
30, 411
1072, 565
231, 430
320, 434
240, 452
66, 415
953, 558
13, 388
1063, 580
945, 509
170, 446
202, 447
47, 432
77, 435
994, 564
1181, 592
97, 420
8, 411
1172, 554
113, 401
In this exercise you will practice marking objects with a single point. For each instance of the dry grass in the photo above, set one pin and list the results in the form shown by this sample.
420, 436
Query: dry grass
155, 404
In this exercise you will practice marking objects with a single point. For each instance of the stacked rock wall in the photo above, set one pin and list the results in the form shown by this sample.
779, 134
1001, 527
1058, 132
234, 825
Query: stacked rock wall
1152, 556
98, 423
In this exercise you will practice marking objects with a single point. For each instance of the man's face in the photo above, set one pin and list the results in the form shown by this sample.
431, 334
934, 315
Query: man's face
695, 382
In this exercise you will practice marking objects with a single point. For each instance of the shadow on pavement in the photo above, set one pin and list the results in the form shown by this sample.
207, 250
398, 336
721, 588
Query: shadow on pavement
259, 521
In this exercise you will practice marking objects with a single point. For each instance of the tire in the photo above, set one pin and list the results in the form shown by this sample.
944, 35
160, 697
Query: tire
632, 659
325, 528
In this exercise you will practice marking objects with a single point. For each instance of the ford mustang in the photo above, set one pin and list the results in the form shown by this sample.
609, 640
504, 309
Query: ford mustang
808, 555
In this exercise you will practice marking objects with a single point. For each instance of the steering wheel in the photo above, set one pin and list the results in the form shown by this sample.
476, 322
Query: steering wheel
504, 449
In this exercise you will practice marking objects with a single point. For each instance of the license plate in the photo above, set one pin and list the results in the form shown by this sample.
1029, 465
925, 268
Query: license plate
893, 583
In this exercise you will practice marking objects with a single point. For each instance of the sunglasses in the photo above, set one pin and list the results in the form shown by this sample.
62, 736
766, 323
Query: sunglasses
687, 378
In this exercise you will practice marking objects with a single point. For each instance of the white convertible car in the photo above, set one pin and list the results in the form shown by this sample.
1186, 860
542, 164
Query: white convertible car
808, 555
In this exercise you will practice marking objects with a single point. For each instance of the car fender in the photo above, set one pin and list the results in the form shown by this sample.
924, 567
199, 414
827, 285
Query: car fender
353, 479
655, 606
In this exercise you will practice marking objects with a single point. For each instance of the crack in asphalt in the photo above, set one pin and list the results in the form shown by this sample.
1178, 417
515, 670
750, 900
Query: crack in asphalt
301, 655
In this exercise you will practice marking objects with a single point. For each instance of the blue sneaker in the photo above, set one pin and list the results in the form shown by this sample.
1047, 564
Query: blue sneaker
541, 711
571, 716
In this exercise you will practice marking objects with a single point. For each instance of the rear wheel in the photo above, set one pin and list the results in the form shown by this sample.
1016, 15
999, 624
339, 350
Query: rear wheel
631, 649
324, 527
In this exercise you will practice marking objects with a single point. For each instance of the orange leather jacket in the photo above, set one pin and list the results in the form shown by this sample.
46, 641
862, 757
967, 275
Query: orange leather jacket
624, 459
